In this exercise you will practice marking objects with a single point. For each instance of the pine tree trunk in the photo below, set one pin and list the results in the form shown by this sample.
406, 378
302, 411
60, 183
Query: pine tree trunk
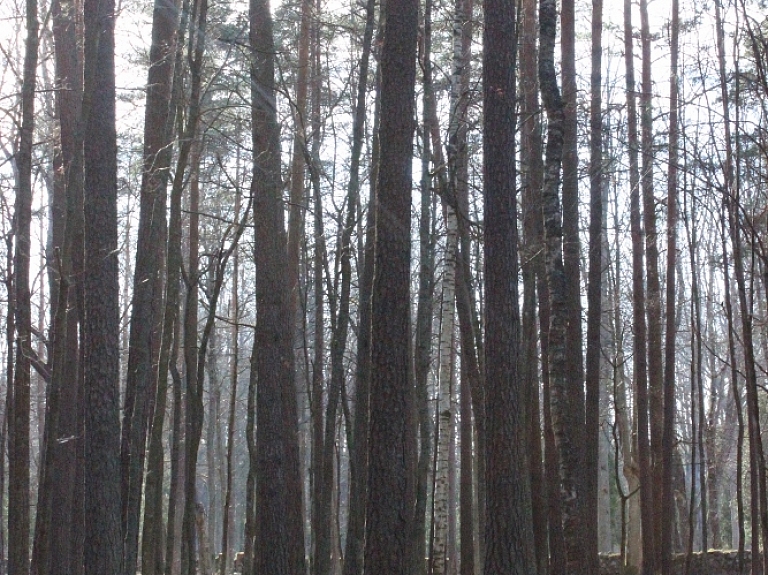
508, 529
61, 456
19, 409
102, 309
145, 324
653, 296
279, 537
391, 489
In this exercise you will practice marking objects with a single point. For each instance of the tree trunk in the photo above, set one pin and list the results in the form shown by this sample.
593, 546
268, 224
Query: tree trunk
532, 266
467, 560
102, 308
353, 556
445, 409
668, 438
153, 529
147, 302
279, 538
424, 519
391, 489
508, 529
566, 405
594, 301
193, 379
19, 421
580, 539
65, 527
640, 366
234, 314
653, 299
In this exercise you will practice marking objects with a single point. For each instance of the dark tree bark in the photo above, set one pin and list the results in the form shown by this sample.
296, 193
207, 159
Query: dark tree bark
146, 318
425, 308
354, 553
577, 535
19, 420
102, 309
153, 561
353, 556
733, 206
653, 299
508, 530
279, 539
532, 265
640, 365
755, 565
594, 298
193, 352
467, 558
392, 442
193, 376
66, 522
668, 438
10, 330
296, 209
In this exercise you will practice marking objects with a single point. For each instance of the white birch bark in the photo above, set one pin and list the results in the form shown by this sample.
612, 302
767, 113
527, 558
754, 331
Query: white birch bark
445, 405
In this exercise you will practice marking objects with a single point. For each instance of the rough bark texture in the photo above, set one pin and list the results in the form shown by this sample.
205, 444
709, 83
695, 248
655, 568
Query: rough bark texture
508, 529
279, 539
391, 489
102, 309
146, 317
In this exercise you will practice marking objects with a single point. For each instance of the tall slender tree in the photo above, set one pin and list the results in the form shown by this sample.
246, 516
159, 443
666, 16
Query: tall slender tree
19, 420
66, 513
640, 364
146, 319
668, 438
594, 296
353, 556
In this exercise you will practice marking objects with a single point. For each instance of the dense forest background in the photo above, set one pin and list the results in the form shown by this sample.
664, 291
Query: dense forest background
435, 287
